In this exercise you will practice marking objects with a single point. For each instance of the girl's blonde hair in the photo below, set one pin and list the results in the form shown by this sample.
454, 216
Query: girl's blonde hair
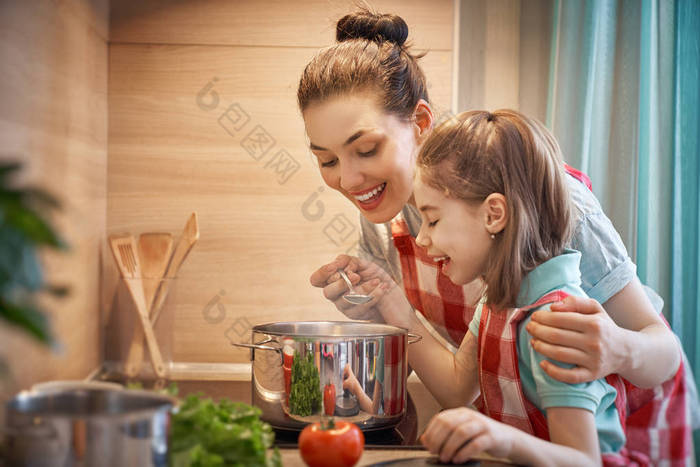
478, 153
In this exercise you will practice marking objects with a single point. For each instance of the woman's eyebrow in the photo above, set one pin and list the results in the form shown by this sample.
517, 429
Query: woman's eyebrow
348, 141
427, 207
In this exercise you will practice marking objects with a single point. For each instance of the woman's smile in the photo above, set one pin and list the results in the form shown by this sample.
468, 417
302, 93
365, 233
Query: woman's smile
370, 199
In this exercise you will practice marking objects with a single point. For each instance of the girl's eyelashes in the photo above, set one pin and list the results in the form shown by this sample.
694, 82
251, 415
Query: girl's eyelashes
329, 163
432, 224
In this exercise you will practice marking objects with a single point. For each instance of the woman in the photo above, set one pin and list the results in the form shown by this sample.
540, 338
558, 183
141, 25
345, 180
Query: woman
366, 110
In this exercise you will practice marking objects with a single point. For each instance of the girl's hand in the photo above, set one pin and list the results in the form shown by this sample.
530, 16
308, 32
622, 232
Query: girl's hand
365, 276
456, 435
578, 331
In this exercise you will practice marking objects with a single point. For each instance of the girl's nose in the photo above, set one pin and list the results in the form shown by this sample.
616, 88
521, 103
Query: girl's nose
422, 239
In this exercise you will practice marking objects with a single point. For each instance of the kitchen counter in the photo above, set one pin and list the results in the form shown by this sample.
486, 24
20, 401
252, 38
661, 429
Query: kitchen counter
291, 457
420, 408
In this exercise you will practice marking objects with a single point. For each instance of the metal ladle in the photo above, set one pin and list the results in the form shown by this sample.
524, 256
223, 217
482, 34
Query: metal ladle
353, 297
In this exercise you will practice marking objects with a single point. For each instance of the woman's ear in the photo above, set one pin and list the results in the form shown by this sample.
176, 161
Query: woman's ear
423, 120
496, 212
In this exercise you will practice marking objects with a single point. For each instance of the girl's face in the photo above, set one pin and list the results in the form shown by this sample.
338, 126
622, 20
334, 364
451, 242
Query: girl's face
365, 153
453, 232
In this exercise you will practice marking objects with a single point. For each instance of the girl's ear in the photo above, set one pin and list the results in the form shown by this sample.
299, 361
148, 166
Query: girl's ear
496, 210
423, 120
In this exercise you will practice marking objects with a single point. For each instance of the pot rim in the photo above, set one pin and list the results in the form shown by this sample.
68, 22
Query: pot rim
341, 329
29, 403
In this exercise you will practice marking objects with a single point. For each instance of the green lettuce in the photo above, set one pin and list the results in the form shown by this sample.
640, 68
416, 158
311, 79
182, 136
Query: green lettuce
208, 434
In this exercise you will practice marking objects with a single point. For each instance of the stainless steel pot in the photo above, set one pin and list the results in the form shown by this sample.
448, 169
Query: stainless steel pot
87, 427
365, 363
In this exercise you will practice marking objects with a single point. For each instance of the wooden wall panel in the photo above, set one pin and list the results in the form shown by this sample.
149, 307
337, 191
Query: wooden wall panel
53, 117
174, 148
273, 23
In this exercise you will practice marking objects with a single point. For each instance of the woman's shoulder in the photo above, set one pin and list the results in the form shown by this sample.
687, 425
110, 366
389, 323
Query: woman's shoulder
583, 199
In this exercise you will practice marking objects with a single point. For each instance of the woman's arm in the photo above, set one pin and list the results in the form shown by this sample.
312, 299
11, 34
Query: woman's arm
460, 434
637, 344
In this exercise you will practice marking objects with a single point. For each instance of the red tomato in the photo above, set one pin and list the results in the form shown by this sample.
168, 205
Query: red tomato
339, 445
329, 399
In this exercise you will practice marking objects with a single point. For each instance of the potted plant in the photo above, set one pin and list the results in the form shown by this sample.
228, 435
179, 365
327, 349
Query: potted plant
24, 230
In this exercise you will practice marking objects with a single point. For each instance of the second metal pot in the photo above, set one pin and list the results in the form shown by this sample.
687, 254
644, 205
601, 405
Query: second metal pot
361, 371
85, 427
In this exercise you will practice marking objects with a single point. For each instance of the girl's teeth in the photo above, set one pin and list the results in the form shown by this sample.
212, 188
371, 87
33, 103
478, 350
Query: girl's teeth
371, 194
442, 258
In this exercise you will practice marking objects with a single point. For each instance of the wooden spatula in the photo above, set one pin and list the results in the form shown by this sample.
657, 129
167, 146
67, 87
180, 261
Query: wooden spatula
154, 254
189, 237
125, 254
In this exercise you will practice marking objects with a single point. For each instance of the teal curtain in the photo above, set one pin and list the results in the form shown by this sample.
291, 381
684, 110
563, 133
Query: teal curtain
685, 241
624, 102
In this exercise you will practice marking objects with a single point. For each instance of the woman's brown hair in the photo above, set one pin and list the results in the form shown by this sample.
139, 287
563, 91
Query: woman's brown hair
478, 153
371, 55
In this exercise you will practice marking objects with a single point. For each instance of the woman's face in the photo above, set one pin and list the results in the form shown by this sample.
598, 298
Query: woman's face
365, 153
453, 232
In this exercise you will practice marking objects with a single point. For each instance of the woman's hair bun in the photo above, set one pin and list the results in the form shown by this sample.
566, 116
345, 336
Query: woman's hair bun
374, 27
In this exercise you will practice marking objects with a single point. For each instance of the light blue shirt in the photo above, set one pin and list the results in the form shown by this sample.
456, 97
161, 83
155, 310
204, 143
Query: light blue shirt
561, 273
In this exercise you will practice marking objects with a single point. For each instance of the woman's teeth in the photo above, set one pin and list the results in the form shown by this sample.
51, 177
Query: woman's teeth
369, 195
441, 258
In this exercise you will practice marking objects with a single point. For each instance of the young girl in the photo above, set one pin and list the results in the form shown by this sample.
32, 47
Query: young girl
491, 191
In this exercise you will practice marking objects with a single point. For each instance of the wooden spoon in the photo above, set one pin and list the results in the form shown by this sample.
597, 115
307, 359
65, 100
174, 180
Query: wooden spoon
154, 254
189, 237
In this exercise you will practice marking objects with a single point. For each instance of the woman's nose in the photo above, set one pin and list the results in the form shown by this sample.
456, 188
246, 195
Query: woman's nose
351, 176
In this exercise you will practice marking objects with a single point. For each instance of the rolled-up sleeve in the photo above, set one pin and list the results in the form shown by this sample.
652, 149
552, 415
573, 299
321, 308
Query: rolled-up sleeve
606, 268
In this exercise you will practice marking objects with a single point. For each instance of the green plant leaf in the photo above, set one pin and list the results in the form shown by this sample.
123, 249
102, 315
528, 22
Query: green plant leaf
19, 264
58, 291
27, 317
30, 224
7, 169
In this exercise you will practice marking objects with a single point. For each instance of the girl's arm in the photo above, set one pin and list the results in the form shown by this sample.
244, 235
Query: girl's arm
453, 379
637, 344
460, 434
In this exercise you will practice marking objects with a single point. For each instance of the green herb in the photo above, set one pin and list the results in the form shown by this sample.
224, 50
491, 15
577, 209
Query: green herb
305, 393
206, 434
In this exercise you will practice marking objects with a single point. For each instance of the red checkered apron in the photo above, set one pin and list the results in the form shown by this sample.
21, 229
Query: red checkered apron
395, 372
655, 421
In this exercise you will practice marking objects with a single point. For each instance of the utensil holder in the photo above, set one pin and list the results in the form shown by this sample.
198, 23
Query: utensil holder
123, 321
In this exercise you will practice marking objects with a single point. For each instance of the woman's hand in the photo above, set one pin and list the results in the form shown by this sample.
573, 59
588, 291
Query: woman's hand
457, 435
350, 382
578, 331
627, 337
366, 277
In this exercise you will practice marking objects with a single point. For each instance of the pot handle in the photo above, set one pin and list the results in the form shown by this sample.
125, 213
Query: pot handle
259, 345
415, 337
